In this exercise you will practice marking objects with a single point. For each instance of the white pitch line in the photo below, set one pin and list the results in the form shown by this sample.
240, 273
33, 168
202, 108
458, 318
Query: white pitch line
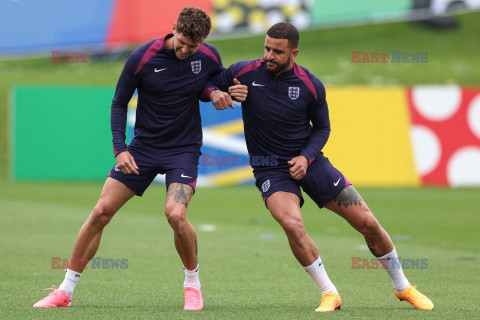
202, 180
224, 142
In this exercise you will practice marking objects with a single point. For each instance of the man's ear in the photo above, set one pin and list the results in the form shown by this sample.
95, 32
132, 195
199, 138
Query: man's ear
294, 53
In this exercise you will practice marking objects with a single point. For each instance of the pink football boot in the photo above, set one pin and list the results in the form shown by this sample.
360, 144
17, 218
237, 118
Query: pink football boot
58, 298
193, 299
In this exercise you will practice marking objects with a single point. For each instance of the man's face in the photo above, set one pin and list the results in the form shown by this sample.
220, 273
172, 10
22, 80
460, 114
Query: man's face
278, 55
183, 46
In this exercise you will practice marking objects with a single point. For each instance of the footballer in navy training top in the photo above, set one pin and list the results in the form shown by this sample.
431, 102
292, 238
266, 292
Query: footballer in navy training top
286, 127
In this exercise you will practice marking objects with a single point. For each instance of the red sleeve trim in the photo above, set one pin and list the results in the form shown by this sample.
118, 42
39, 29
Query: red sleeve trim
208, 52
304, 77
152, 50
207, 93
252, 66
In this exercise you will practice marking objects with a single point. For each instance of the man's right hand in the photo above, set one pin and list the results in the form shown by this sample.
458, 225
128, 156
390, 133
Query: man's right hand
126, 163
221, 100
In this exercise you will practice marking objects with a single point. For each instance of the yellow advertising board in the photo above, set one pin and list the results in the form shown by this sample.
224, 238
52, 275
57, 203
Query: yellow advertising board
370, 142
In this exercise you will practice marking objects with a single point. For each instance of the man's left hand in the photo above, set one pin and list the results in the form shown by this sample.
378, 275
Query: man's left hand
298, 168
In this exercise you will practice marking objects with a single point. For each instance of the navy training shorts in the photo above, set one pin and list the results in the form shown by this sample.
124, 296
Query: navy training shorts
178, 166
322, 183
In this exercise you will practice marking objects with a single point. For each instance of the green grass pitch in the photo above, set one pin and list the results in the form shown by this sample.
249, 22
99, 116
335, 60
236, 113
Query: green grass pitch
247, 268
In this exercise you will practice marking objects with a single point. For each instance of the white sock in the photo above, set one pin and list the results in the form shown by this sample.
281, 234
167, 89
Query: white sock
191, 278
319, 275
70, 281
394, 270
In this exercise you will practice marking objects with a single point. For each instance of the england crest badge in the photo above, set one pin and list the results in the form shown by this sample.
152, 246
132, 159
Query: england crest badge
293, 92
196, 66
266, 185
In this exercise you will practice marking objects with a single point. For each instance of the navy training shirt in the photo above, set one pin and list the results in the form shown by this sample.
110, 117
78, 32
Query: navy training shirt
168, 114
279, 112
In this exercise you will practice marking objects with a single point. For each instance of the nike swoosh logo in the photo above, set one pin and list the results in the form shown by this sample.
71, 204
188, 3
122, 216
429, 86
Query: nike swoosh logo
183, 176
257, 84
335, 184
158, 70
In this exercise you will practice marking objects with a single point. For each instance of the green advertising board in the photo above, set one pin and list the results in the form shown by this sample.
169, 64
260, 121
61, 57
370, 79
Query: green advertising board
60, 133
351, 11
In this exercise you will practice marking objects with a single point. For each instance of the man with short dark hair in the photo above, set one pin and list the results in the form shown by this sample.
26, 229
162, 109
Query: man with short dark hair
170, 75
286, 127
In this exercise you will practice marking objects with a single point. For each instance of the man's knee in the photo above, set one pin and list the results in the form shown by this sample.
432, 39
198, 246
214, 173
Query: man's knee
369, 226
176, 215
102, 214
293, 227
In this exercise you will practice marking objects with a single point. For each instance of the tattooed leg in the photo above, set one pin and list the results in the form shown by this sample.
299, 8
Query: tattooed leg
372, 247
348, 197
178, 198
349, 205
180, 193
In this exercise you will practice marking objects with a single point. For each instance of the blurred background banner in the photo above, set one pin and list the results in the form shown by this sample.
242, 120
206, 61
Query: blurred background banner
142, 20
445, 133
97, 24
390, 126
397, 136
374, 123
350, 11
110, 24
30, 26
68, 126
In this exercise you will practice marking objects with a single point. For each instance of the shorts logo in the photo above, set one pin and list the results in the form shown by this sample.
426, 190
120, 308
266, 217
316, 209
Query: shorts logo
293, 92
116, 168
336, 183
196, 66
266, 185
